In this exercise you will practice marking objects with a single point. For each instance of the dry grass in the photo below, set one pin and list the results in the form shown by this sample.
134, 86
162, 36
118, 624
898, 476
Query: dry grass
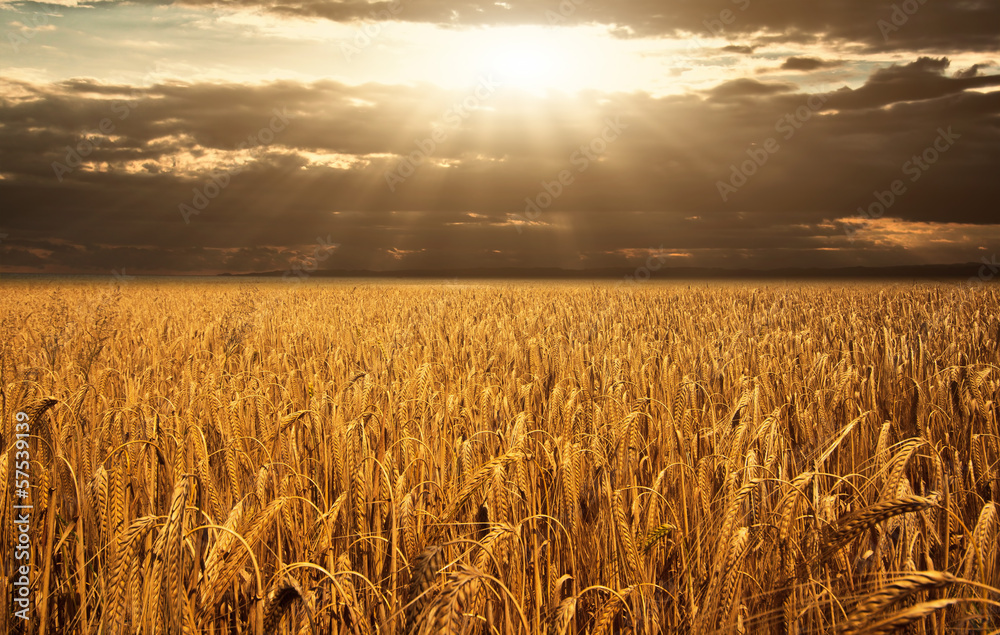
416, 458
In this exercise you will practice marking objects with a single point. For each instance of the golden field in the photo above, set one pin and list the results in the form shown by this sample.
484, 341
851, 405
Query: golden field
379, 457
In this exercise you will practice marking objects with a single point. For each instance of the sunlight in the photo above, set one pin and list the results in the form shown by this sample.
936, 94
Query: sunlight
534, 58
527, 63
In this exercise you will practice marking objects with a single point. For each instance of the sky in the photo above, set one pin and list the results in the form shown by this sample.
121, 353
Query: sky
198, 137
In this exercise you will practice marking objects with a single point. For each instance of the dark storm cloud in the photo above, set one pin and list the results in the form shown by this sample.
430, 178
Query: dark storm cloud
920, 80
735, 48
322, 178
939, 25
808, 64
745, 87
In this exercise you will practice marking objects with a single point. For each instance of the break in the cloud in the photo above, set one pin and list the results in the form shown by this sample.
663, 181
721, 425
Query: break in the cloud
812, 138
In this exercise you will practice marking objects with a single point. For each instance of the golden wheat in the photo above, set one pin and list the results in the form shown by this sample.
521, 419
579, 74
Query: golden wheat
364, 457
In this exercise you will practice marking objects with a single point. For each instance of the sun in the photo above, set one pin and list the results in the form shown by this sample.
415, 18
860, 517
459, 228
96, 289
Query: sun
535, 59
525, 62
531, 59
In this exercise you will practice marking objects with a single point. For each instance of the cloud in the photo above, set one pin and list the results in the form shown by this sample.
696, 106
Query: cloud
809, 64
933, 26
323, 174
972, 71
919, 80
745, 87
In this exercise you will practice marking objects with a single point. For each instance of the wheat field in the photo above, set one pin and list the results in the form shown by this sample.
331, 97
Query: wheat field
382, 457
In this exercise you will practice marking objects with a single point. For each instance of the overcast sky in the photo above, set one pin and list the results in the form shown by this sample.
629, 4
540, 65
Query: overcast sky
203, 137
